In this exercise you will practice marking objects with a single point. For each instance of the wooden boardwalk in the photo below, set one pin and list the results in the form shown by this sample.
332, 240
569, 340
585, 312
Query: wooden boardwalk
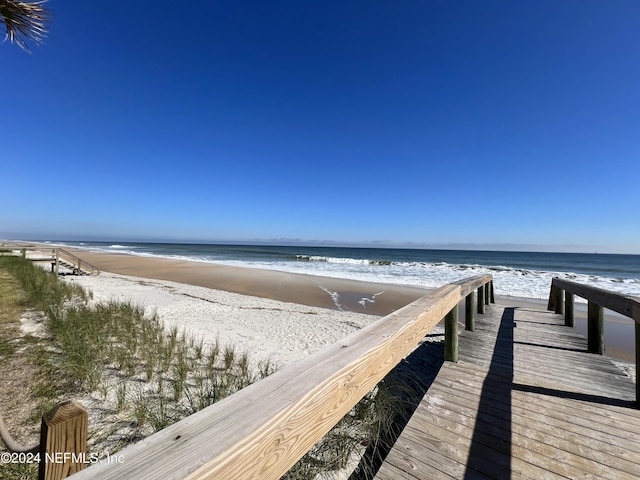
526, 400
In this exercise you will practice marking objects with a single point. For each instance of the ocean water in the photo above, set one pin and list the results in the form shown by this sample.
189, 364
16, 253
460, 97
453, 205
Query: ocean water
518, 274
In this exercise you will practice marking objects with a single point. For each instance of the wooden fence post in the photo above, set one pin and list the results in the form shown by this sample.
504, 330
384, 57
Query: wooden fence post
552, 298
569, 319
451, 335
559, 301
637, 362
492, 296
595, 337
481, 299
470, 312
63, 441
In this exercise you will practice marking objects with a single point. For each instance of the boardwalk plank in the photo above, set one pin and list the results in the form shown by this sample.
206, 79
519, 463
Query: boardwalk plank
526, 400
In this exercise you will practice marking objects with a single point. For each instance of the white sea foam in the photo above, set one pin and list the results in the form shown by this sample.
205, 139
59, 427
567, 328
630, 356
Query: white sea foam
509, 281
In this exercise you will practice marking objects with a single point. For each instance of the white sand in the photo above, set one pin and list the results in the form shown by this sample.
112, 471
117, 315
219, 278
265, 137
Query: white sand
267, 329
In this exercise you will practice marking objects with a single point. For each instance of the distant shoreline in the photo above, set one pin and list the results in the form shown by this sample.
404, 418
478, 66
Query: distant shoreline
357, 296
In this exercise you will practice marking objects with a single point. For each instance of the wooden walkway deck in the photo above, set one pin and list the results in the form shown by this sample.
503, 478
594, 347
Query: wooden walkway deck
526, 400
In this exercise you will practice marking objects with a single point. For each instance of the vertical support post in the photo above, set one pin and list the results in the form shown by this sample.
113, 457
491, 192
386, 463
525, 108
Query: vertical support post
481, 299
23, 251
63, 441
57, 261
637, 362
77, 266
486, 293
451, 335
470, 312
492, 297
552, 298
569, 318
559, 301
595, 318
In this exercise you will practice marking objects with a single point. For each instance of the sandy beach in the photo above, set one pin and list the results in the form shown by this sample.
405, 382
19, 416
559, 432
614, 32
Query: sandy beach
334, 293
282, 332
330, 293
166, 284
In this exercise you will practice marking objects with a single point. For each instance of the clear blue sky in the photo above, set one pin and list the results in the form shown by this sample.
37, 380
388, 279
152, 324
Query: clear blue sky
429, 123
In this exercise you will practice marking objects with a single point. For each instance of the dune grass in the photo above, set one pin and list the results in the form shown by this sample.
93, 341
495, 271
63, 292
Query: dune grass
154, 375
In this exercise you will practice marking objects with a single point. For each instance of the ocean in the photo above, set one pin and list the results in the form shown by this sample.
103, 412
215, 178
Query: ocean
517, 274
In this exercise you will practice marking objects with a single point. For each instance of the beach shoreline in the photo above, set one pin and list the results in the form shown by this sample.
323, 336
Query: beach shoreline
327, 292
356, 296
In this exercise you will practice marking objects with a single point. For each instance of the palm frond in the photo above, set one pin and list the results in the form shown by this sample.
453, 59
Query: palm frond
23, 21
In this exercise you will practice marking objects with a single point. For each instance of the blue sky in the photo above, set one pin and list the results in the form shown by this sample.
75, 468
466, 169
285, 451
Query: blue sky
428, 123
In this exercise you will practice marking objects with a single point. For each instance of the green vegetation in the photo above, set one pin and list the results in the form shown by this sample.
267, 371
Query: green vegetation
152, 375
11, 308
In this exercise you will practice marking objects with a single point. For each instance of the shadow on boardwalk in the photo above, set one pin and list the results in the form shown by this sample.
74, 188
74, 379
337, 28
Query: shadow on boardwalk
495, 396
408, 382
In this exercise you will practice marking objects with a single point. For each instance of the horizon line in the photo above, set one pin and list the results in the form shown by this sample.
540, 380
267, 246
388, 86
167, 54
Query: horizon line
291, 242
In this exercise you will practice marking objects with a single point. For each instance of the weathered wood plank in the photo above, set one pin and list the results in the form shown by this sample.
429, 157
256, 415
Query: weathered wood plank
552, 414
535, 398
501, 423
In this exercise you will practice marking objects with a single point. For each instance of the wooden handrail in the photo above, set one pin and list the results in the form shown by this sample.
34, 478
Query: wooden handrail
56, 254
626, 305
75, 260
597, 300
264, 429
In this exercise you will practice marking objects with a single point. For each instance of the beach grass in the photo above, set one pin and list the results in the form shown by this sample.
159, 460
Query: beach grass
153, 376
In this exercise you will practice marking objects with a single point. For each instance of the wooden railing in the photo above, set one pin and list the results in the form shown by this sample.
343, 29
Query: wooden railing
77, 262
561, 300
57, 254
264, 429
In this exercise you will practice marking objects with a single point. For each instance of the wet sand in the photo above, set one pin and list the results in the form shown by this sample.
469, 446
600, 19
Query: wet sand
361, 297
338, 294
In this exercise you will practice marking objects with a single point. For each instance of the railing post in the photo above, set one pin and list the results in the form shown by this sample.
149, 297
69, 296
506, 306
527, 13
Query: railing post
481, 299
569, 319
559, 302
451, 335
470, 312
57, 261
63, 441
492, 297
637, 362
595, 328
552, 298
